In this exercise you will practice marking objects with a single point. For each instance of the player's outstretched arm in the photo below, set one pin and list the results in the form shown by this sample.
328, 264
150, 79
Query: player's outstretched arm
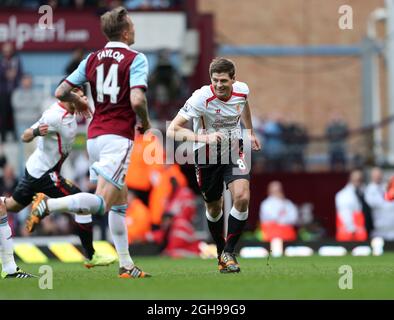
177, 131
29, 134
140, 107
64, 93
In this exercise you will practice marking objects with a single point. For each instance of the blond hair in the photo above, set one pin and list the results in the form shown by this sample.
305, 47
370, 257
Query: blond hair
114, 22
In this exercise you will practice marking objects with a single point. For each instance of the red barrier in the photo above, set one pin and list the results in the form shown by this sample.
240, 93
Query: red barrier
316, 188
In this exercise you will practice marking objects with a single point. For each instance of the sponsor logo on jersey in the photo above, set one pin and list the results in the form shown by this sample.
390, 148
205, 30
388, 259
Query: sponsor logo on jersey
53, 177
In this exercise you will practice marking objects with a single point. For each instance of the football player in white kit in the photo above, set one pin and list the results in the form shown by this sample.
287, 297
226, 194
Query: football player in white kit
56, 131
216, 111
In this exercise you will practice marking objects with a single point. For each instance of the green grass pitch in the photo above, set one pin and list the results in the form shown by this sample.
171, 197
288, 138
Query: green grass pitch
277, 278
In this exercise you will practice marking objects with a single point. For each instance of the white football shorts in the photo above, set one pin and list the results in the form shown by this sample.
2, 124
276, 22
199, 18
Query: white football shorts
109, 157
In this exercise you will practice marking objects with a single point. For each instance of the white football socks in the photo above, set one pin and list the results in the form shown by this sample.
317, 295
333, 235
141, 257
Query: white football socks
213, 219
82, 203
7, 244
118, 228
241, 216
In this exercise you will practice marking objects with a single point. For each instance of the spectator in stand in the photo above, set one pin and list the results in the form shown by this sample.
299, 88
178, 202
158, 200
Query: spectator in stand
77, 56
337, 131
138, 219
142, 176
27, 103
181, 240
310, 228
8, 182
10, 3
146, 208
82, 4
54, 4
164, 86
77, 4
278, 215
101, 7
382, 210
177, 236
137, 4
350, 221
3, 160
274, 147
149, 4
258, 123
29, 4
295, 138
112, 4
162, 190
10, 75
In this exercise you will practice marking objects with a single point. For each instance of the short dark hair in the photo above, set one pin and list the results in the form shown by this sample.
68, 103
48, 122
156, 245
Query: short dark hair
114, 22
222, 65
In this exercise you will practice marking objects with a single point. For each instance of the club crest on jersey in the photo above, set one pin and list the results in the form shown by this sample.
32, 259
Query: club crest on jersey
186, 107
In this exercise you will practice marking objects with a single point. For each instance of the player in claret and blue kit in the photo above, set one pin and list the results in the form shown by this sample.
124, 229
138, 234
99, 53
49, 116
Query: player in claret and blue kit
118, 79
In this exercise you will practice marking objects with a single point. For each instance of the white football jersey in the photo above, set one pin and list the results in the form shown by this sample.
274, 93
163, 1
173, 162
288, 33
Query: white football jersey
211, 114
53, 148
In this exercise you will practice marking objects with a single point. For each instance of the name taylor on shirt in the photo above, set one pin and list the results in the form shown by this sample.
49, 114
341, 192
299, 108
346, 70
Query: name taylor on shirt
110, 53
